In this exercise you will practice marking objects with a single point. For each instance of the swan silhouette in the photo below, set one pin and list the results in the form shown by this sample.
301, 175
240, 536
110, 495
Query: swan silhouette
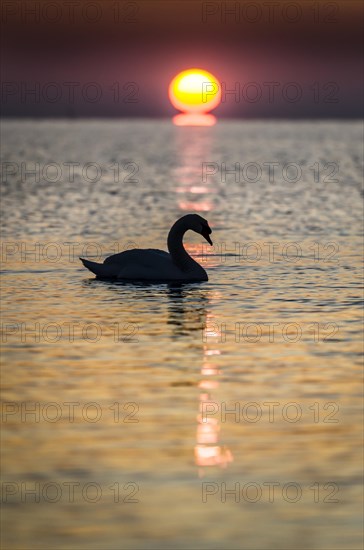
156, 265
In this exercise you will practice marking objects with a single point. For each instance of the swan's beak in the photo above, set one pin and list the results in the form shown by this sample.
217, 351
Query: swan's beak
206, 234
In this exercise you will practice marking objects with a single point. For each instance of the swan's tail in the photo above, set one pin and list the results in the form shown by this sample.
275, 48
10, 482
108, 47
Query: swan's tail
100, 270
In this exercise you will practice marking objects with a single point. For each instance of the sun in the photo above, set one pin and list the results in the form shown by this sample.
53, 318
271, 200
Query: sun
195, 91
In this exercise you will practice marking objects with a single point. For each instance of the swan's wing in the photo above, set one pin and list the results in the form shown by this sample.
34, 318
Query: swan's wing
144, 265
138, 264
140, 256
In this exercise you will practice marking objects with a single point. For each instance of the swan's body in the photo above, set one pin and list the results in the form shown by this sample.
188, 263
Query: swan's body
156, 265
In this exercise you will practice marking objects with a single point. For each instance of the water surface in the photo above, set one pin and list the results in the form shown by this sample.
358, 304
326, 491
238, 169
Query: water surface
132, 444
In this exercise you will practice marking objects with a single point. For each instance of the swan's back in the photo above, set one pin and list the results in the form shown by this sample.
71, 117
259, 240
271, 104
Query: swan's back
147, 257
143, 264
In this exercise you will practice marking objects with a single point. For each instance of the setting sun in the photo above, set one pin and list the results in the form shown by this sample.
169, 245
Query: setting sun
195, 92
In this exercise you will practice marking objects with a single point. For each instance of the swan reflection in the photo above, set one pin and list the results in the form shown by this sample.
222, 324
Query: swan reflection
187, 309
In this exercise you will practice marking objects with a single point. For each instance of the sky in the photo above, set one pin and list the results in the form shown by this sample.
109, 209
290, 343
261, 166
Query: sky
111, 58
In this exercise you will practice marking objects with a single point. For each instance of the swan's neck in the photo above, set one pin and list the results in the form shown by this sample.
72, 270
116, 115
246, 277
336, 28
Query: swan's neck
175, 246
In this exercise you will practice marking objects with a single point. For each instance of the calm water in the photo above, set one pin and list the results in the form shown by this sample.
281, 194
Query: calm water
131, 444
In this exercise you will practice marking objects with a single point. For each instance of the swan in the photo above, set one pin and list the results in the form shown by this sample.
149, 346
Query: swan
156, 265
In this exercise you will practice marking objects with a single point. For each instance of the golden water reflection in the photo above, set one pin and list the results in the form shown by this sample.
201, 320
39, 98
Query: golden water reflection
194, 197
185, 319
193, 148
208, 451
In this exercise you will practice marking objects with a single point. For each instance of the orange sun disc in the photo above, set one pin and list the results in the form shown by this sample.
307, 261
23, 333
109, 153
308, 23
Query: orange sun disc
195, 91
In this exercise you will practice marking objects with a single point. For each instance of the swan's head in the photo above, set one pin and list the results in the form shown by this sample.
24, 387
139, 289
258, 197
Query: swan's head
199, 225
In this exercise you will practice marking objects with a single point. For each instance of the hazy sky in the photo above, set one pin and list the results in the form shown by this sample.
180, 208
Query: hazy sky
115, 58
